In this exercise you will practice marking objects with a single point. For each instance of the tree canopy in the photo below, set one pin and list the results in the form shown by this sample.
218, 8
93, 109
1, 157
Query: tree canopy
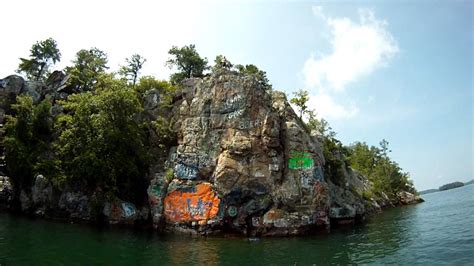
132, 68
301, 101
27, 137
101, 143
188, 62
88, 66
43, 55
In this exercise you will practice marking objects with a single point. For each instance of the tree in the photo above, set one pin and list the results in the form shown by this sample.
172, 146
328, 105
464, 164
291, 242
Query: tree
89, 65
101, 143
27, 136
165, 88
321, 126
43, 55
260, 75
221, 62
132, 68
300, 100
187, 60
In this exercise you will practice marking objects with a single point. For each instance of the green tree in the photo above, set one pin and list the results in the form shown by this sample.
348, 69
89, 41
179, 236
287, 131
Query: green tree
253, 70
188, 62
28, 133
166, 89
43, 55
384, 173
88, 66
132, 68
301, 100
101, 143
221, 62
321, 126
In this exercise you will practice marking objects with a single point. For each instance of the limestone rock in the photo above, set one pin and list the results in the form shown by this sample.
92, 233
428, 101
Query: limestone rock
6, 192
121, 212
42, 191
76, 204
11, 85
241, 152
407, 198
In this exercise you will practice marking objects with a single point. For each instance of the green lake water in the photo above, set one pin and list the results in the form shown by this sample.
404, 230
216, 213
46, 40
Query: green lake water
439, 231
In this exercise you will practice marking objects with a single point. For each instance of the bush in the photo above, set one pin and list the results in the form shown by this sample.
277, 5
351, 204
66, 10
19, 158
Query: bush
101, 144
28, 133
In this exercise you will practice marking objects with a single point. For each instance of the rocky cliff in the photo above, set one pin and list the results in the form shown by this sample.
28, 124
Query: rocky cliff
244, 163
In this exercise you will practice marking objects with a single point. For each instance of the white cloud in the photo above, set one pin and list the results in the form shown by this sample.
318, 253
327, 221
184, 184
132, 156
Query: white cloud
357, 50
326, 107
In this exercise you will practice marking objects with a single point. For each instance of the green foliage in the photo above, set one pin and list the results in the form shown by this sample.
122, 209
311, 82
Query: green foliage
43, 55
27, 136
164, 129
384, 173
320, 126
253, 70
132, 68
368, 195
166, 89
301, 100
188, 62
221, 63
88, 67
169, 175
101, 144
373, 162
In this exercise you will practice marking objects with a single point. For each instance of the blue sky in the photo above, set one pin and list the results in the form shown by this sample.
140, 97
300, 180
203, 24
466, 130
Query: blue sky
399, 70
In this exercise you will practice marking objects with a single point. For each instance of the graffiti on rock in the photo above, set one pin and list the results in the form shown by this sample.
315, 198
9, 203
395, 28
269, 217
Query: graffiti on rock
300, 160
128, 209
201, 205
232, 211
234, 114
233, 103
318, 173
184, 171
307, 180
196, 160
250, 124
255, 221
156, 189
274, 167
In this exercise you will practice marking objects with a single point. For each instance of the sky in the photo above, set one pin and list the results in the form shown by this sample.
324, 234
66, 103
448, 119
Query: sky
395, 70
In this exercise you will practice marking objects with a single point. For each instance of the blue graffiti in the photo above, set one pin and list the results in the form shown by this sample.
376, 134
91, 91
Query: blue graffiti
318, 173
183, 171
128, 209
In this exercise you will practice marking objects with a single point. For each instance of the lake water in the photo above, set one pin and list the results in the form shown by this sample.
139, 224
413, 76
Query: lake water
439, 231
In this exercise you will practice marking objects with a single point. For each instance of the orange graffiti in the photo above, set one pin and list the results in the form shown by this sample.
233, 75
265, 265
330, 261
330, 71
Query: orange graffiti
199, 205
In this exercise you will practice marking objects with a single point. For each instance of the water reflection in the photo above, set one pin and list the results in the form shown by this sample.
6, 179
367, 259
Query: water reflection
407, 235
192, 250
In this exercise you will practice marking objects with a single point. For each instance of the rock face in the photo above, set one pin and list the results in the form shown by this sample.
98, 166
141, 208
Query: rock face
244, 163
407, 198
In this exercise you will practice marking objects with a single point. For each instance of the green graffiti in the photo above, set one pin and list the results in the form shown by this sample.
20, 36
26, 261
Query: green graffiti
232, 211
300, 160
156, 189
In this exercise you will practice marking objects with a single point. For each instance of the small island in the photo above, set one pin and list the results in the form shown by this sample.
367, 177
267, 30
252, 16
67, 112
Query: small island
451, 186
447, 187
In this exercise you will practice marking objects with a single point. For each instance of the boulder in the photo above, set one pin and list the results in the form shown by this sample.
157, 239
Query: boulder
120, 212
6, 192
75, 204
407, 198
42, 191
11, 85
